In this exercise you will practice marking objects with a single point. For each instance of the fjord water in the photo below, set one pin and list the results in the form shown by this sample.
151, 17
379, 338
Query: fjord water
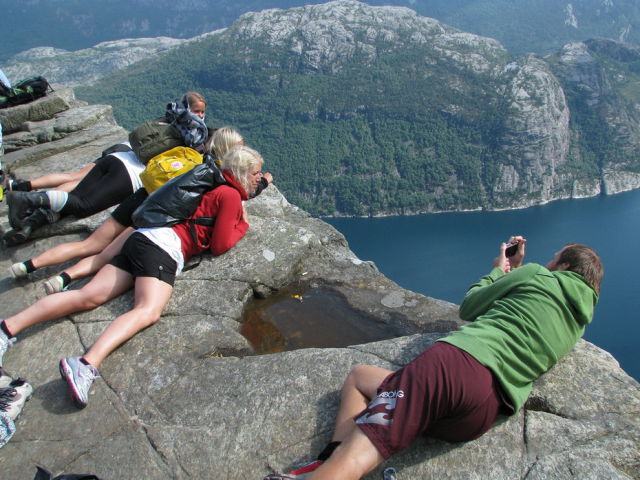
440, 255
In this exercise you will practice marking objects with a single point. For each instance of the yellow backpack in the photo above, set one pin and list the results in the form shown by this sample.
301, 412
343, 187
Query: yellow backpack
172, 163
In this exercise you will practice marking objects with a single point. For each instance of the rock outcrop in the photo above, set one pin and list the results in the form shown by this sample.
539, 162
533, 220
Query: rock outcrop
187, 398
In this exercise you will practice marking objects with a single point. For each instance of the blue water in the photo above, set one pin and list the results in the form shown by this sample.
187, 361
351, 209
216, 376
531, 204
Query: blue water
440, 255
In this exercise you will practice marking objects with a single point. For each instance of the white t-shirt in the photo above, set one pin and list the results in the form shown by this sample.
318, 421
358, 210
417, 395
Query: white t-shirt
133, 165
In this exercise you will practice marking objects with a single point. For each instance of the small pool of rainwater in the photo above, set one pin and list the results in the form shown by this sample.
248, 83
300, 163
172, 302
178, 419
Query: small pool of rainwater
299, 316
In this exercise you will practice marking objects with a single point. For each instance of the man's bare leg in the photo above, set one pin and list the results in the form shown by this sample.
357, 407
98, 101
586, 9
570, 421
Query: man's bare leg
356, 455
354, 458
360, 386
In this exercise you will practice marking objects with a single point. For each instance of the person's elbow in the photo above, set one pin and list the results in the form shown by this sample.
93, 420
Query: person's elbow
218, 248
467, 312
464, 314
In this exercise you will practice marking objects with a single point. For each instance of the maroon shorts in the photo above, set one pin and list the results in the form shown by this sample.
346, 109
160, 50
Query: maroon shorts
443, 393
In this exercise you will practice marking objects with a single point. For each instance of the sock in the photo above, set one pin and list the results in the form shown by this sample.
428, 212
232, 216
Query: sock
3, 327
84, 360
30, 266
328, 450
66, 279
57, 199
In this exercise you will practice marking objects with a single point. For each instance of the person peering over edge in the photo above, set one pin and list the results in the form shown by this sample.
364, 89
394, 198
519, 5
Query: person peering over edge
525, 318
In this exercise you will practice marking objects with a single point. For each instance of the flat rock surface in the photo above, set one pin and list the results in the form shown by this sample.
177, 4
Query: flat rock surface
188, 398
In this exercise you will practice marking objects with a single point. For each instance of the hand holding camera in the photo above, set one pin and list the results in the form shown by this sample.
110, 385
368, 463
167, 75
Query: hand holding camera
512, 256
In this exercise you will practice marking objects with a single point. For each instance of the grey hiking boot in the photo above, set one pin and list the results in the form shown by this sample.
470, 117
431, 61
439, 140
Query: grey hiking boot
389, 473
20, 203
14, 396
79, 377
35, 220
5, 343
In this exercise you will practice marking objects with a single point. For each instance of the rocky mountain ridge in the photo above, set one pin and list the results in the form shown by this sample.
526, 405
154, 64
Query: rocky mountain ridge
407, 114
541, 26
188, 398
83, 67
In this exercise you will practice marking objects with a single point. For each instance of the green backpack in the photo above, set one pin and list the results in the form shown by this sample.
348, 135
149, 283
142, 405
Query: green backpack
24, 91
154, 137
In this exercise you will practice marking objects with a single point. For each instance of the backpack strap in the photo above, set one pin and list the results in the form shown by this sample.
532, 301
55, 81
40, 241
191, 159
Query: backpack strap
206, 221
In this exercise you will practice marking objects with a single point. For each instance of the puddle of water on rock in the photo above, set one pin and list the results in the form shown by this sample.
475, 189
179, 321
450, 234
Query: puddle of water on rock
302, 317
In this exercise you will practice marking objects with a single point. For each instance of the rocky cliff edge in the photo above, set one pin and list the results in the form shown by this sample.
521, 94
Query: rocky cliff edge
187, 398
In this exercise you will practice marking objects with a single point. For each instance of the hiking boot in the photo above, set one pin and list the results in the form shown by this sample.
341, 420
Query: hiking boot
20, 203
54, 285
79, 377
304, 471
14, 396
18, 270
5, 378
5, 343
34, 221
17, 185
10, 183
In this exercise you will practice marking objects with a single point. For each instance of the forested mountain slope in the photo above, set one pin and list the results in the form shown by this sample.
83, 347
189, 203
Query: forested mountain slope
365, 110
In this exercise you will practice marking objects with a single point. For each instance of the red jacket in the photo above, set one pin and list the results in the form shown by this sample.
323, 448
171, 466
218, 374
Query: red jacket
225, 204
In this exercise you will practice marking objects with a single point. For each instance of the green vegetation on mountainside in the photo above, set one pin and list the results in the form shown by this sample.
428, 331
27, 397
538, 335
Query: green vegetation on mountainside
604, 118
363, 141
408, 131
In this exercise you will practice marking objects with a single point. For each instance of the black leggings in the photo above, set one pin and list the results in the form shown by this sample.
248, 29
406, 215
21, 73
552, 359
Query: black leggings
106, 185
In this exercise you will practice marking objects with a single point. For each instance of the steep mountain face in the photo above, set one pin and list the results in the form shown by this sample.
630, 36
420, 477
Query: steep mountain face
600, 79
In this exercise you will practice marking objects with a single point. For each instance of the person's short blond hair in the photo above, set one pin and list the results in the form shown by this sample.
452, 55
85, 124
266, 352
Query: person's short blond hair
222, 140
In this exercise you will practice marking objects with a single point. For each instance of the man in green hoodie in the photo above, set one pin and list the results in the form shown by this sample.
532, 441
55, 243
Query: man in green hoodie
524, 320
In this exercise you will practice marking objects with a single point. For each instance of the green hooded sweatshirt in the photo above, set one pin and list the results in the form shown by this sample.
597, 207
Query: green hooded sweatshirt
523, 323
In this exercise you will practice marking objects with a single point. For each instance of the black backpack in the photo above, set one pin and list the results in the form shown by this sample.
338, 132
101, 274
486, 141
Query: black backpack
24, 91
178, 199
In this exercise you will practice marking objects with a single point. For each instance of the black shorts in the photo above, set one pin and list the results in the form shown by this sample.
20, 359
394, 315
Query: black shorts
122, 214
143, 258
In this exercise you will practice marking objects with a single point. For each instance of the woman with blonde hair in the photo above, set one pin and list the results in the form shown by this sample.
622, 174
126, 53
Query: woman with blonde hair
149, 261
96, 247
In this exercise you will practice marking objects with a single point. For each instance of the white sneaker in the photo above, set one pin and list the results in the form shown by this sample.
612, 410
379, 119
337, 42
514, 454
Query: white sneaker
18, 270
54, 285
14, 396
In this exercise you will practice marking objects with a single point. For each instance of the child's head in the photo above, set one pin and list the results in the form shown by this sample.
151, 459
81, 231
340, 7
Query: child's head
196, 102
